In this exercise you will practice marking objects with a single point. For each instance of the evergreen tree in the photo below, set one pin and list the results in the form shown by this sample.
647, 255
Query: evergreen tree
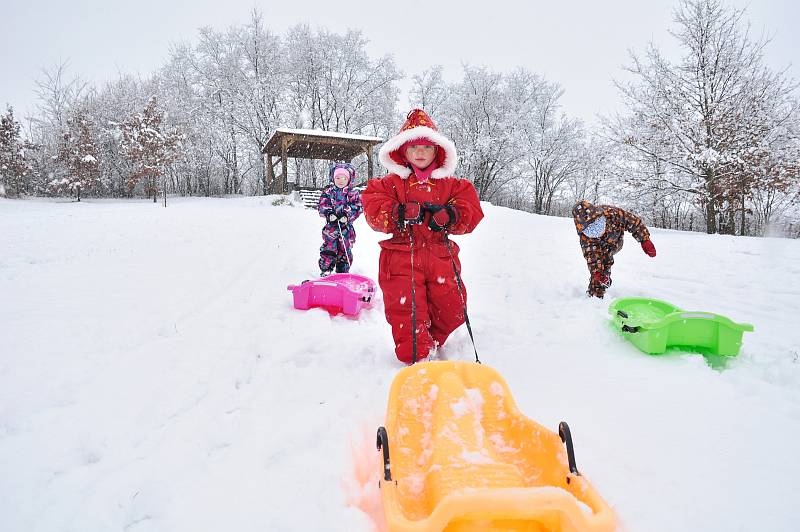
78, 153
15, 170
149, 147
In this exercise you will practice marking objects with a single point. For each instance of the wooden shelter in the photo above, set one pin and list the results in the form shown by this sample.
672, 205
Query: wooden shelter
312, 144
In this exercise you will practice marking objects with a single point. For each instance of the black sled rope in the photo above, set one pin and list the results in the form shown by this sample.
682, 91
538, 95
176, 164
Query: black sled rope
401, 222
413, 300
344, 243
461, 293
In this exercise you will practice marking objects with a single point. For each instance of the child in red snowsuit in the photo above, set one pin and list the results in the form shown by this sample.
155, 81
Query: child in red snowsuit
419, 202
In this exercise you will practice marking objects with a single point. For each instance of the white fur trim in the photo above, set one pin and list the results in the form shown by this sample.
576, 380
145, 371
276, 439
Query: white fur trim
394, 143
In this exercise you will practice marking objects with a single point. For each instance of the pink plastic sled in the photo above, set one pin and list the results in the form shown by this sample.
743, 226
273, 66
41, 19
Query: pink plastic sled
342, 292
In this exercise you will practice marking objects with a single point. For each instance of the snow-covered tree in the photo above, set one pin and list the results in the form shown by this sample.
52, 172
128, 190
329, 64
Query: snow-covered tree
110, 105
482, 118
193, 109
772, 206
79, 155
59, 94
149, 147
334, 83
554, 148
429, 91
228, 92
710, 117
511, 135
15, 169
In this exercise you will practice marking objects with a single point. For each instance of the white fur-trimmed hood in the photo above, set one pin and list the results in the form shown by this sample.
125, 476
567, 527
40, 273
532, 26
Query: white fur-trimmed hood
393, 144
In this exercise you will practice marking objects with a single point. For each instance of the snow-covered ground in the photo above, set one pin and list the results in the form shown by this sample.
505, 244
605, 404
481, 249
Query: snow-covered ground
155, 377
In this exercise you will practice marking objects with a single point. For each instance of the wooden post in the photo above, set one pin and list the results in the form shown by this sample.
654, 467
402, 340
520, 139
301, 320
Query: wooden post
270, 185
370, 171
284, 165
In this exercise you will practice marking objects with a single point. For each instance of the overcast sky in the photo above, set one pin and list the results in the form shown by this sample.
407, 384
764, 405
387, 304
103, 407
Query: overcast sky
580, 44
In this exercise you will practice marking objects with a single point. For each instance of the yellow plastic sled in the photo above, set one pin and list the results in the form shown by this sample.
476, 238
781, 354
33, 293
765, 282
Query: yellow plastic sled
459, 456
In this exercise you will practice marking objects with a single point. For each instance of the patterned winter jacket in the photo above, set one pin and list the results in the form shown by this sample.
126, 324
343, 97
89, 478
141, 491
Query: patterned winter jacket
596, 250
338, 201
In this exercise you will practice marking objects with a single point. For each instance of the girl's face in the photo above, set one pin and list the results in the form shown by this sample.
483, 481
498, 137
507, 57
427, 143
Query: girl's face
340, 180
421, 156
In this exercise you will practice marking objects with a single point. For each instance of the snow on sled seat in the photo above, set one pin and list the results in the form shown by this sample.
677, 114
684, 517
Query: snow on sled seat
654, 326
459, 456
347, 293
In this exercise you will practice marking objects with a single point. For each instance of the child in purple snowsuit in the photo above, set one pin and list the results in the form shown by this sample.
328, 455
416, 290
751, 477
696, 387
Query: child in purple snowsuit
340, 205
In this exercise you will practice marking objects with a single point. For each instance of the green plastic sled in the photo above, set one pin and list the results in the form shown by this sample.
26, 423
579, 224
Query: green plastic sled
654, 326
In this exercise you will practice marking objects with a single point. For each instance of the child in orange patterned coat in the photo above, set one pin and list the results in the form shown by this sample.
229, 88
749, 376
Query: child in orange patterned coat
601, 229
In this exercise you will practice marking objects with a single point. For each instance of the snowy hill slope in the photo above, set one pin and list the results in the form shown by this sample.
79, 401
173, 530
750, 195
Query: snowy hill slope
154, 377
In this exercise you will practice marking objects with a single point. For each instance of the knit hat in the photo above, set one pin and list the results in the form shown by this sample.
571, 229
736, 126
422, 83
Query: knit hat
339, 171
419, 128
345, 169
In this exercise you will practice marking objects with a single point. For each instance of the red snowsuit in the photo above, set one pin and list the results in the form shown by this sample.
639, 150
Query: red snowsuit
439, 308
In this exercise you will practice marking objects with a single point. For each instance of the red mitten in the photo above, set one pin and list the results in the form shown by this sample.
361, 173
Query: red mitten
409, 213
649, 248
441, 216
601, 279
413, 213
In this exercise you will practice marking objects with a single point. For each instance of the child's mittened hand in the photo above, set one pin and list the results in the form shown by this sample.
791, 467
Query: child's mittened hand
411, 213
602, 279
441, 216
649, 248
